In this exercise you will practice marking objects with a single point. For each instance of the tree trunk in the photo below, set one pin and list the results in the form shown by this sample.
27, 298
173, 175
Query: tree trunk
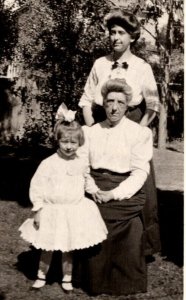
162, 129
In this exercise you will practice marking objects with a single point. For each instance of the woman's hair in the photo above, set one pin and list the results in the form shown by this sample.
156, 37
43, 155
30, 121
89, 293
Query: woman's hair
116, 85
69, 128
125, 19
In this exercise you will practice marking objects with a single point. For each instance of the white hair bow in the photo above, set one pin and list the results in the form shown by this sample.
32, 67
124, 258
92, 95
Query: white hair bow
64, 114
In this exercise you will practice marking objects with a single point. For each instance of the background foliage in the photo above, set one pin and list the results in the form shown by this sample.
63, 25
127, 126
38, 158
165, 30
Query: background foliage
56, 44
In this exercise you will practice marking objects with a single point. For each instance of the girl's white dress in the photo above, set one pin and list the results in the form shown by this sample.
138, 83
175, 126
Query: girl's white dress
68, 219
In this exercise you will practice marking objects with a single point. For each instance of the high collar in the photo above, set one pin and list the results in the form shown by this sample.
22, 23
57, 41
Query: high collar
109, 125
126, 56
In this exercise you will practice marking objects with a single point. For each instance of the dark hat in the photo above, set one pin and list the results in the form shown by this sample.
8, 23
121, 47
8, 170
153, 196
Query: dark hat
125, 19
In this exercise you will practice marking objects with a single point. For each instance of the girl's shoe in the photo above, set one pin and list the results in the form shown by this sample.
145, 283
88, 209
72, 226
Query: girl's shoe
39, 283
67, 287
67, 284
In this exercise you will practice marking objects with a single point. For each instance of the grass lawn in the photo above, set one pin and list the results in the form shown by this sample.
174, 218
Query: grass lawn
165, 278
17, 260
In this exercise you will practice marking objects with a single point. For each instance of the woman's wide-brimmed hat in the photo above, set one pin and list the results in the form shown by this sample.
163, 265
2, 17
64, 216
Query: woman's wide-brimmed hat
125, 19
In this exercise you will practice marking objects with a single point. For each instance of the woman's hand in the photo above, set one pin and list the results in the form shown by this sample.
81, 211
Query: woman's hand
103, 196
37, 219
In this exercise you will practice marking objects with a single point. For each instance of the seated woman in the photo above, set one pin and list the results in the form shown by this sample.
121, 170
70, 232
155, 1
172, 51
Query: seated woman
119, 151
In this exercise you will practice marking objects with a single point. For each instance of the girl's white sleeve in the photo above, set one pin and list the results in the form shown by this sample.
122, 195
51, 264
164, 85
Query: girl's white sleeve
141, 154
89, 90
90, 185
38, 187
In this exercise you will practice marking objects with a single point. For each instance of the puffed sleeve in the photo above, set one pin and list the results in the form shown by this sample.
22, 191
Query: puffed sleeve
89, 90
149, 89
38, 187
141, 154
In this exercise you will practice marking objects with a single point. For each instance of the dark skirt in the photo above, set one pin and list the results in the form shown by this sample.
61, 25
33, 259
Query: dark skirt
117, 266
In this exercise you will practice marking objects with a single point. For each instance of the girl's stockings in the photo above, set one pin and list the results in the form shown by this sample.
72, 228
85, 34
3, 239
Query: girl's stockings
44, 265
67, 272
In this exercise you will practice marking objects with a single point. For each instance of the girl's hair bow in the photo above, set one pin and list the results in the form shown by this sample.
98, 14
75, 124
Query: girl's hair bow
64, 114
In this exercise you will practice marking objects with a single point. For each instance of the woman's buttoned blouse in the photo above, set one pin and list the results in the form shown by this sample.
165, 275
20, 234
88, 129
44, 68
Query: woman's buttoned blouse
126, 147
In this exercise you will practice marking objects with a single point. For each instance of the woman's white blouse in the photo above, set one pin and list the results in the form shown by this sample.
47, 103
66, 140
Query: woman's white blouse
127, 147
58, 181
138, 75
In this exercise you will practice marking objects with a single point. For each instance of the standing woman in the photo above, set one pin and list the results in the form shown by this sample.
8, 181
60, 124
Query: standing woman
124, 30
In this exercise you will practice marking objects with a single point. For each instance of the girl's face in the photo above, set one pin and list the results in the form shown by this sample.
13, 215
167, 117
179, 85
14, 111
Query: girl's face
120, 40
115, 106
68, 145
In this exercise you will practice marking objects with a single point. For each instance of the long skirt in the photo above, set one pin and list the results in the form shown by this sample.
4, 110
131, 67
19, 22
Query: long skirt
117, 266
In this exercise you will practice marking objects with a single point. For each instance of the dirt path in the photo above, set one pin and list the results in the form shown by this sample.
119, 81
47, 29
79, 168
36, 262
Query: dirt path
169, 169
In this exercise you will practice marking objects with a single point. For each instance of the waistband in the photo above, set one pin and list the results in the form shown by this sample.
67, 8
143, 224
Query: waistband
131, 108
105, 171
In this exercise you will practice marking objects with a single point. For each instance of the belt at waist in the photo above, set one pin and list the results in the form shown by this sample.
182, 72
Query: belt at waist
105, 171
131, 108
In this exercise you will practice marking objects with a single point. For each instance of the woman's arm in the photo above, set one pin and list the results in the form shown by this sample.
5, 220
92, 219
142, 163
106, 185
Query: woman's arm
88, 97
141, 154
87, 114
151, 96
148, 117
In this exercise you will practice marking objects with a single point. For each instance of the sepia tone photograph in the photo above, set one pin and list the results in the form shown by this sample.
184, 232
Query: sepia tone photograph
91, 149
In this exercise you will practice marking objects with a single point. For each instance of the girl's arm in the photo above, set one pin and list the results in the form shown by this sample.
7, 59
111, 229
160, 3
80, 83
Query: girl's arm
37, 219
38, 187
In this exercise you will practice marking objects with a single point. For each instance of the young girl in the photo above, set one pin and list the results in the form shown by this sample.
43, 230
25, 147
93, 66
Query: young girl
64, 219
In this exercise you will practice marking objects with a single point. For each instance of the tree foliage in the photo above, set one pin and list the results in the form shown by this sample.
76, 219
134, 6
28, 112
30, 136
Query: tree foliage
169, 45
8, 32
58, 41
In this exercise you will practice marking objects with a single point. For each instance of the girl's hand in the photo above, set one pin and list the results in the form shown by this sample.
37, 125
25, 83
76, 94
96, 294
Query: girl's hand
103, 196
96, 197
37, 220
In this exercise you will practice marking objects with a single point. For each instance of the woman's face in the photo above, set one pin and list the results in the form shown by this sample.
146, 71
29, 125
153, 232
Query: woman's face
120, 40
115, 106
68, 145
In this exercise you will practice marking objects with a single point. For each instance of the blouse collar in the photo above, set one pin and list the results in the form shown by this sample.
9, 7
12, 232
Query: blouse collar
106, 124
